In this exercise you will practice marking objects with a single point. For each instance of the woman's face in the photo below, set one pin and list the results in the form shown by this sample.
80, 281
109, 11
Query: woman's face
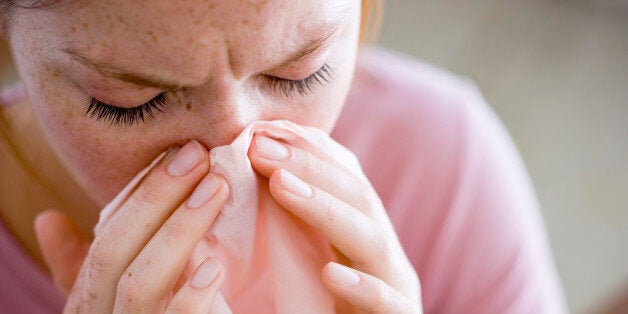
212, 66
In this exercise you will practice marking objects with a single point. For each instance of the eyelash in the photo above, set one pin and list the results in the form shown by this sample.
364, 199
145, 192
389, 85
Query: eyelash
130, 116
127, 116
303, 86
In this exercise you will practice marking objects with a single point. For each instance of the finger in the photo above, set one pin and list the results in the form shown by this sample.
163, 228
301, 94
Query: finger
347, 229
153, 274
112, 207
369, 244
220, 306
268, 155
12, 94
162, 191
200, 292
366, 292
63, 247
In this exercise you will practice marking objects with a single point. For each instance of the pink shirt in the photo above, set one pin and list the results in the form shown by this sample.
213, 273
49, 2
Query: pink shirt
450, 177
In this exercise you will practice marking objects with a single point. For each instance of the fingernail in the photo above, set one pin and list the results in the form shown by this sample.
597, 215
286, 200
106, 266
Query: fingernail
343, 275
186, 159
169, 154
294, 185
203, 192
268, 148
205, 274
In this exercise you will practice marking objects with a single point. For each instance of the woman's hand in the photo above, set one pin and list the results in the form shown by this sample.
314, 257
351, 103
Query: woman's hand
136, 261
347, 210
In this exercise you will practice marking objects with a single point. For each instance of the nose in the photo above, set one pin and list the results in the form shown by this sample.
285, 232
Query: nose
234, 115
218, 119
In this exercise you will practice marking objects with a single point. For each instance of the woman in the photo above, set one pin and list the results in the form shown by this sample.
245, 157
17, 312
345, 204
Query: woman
111, 85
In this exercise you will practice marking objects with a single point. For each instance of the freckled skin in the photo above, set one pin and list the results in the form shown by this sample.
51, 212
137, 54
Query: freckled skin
231, 43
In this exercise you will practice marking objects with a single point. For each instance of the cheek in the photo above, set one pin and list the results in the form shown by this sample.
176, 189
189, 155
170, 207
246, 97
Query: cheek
102, 162
326, 108
323, 111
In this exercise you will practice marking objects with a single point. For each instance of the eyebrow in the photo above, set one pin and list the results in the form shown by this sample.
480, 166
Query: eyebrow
112, 71
322, 35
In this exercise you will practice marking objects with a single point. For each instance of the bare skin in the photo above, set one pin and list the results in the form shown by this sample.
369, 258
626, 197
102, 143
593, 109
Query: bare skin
219, 103
219, 66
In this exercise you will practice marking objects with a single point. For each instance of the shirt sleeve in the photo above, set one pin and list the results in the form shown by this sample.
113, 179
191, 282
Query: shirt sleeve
490, 253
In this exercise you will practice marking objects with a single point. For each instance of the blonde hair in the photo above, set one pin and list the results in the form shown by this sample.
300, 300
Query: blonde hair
372, 13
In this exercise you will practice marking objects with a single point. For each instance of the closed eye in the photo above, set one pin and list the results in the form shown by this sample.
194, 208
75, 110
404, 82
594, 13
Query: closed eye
129, 116
302, 86
125, 116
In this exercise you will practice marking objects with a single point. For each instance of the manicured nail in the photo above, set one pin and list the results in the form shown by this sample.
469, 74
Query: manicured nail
343, 275
186, 159
203, 192
205, 274
294, 185
268, 148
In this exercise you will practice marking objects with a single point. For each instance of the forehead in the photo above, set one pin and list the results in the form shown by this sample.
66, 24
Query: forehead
195, 34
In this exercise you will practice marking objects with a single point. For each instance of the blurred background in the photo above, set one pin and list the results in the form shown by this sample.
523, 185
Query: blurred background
556, 72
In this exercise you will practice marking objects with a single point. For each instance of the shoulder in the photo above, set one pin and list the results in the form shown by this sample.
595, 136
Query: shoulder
453, 184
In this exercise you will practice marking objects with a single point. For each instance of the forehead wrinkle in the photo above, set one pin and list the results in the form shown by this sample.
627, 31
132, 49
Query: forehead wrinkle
333, 15
155, 45
133, 78
308, 37
322, 34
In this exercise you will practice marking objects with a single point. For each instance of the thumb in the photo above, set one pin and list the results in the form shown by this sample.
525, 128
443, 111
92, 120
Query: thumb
62, 246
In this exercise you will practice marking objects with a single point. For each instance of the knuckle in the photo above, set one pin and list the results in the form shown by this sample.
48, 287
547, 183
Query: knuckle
100, 257
379, 249
147, 194
382, 298
390, 301
174, 230
333, 210
371, 203
130, 291
383, 246
368, 198
312, 168
364, 189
